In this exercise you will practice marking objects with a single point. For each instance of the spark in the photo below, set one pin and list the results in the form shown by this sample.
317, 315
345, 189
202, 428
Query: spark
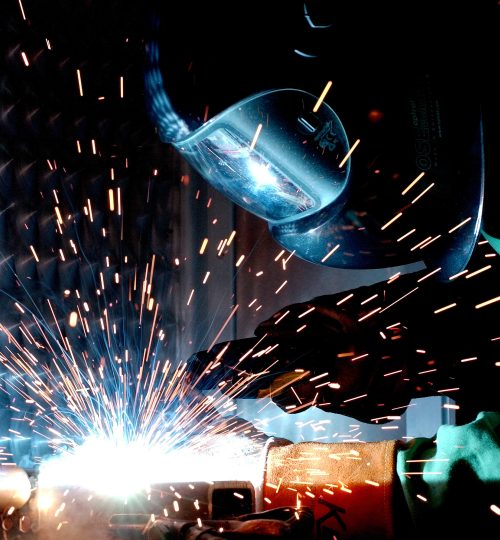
80, 85
256, 136
417, 179
406, 235
348, 155
322, 97
488, 302
471, 359
355, 398
277, 321
476, 272
455, 276
451, 406
391, 221
376, 310
111, 200
231, 238
22, 10
421, 243
203, 246
429, 275
25, 59
240, 260
495, 509
281, 287
122, 94
348, 297
445, 308
423, 193
369, 299
226, 322
277, 258
330, 253
461, 224
34, 254
310, 310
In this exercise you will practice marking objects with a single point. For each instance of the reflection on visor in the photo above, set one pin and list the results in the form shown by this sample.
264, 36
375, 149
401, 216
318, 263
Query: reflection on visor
273, 155
245, 174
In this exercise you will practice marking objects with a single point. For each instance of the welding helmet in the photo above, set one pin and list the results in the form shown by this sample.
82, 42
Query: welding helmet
411, 190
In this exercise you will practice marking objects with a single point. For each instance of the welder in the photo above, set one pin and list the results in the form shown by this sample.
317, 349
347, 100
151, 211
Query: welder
421, 186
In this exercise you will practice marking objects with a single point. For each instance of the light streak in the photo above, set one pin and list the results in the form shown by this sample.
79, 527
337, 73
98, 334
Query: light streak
391, 221
22, 10
368, 299
398, 300
355, 398
417, 179
322, 96
348, 297
34, 254
277, 321
281, 287
421, 243
80, 85
428, 275
330, 253
461, 224
310, 310
423, 193
203, 246
376, 310
488, 302
348, 155
445, 308
471, 359
495, 509
226, 322
231, 238
25, 59
455, 276
277, 258
425, 244
476, 272
405, 235
256, 136
122, 92
111, 200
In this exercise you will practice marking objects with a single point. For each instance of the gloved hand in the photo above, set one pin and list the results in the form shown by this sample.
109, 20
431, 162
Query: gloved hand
326, 357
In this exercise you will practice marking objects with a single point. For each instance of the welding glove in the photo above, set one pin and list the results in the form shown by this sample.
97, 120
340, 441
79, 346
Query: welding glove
326, 357
446, 486
368, 351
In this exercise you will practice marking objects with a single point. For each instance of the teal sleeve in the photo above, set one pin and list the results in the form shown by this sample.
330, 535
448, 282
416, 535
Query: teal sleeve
452, 483
494, 242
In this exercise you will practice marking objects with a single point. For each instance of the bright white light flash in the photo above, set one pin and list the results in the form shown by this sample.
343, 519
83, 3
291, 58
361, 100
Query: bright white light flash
261, 174
123, 469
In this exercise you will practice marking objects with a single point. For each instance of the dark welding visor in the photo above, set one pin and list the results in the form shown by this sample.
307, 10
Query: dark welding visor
285, 157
